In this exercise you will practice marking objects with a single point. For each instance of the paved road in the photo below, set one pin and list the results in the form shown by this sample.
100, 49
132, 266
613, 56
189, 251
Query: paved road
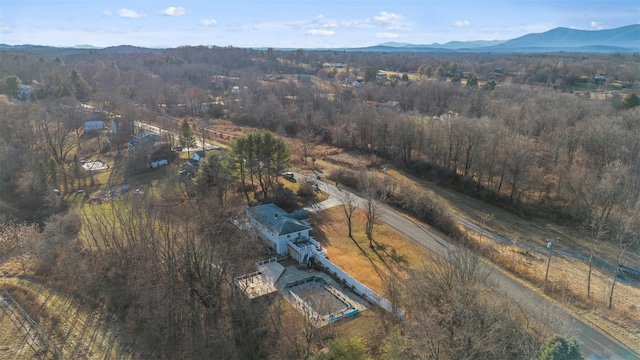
594, 344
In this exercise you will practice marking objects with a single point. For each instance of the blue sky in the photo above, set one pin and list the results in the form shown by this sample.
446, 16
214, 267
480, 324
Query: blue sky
297, 24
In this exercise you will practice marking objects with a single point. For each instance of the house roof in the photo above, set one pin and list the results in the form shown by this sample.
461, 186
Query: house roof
200, 153
278, 221
142, 134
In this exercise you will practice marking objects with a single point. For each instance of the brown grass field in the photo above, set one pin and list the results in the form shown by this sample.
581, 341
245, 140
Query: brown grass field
13, 344
76, 332
391, 256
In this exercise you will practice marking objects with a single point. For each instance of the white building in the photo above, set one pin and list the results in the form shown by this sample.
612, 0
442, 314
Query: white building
287, 233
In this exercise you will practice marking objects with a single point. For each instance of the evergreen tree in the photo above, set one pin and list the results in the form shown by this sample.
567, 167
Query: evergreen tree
630, 101
12, 86
473, 81
559, 348
262, 155
428, 72
187, 137
370, 74
81, 90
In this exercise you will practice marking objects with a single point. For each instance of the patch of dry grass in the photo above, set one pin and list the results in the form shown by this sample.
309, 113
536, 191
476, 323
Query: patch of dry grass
78, 334
390, 258
568, 284
13, 344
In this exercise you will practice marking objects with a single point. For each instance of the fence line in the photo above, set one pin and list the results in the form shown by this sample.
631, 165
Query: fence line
359, 287
37, 337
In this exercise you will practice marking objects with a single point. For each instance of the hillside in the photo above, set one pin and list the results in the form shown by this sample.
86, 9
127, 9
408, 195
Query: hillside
624, 39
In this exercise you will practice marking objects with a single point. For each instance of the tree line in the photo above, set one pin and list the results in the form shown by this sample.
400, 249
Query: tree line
525, 140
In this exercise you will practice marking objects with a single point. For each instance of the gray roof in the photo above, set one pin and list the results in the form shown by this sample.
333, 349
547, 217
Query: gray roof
144, 135
278, 221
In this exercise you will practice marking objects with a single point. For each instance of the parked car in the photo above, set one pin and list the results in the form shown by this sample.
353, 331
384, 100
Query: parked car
625, 271
288, 175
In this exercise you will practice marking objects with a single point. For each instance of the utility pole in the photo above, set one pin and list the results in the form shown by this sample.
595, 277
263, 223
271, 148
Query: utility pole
546, 276
384, 190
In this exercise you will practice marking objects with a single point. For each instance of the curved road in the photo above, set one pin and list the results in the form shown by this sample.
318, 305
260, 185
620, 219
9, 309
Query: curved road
593, 343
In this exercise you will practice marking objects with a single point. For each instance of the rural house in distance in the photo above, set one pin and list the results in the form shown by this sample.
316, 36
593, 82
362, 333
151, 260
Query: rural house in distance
141, 143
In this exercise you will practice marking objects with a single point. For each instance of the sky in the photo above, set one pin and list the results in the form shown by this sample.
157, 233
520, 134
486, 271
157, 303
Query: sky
297, 24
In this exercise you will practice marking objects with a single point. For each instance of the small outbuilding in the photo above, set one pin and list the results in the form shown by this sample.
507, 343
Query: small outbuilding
93, 125
199, 155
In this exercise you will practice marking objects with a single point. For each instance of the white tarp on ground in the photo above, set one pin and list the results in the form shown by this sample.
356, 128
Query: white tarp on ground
94, 165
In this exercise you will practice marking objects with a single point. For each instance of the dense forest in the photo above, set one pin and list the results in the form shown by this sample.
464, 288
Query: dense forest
547, 135
547, 140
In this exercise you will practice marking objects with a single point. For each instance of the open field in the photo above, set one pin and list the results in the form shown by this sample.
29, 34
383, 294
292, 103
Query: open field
569, 278
390, 257
13, 344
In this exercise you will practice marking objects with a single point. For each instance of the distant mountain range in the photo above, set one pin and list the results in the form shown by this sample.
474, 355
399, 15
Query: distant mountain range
623, 39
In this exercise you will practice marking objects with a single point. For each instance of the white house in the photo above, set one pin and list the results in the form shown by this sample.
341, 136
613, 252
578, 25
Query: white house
287, 233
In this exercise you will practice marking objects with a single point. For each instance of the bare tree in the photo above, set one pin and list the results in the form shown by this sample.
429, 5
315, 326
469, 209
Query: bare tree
485, 218
597, 231
626, 236
349, 205
58, 141
17, 240
371, 206
457, 318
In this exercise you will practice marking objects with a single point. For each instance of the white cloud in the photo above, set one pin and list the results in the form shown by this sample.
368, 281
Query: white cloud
461, 23
387, 35
597, 25
107, 13
174, 11
208, 22
390, 20
130, 14
5, 29
387, 23
384, 19
320, 32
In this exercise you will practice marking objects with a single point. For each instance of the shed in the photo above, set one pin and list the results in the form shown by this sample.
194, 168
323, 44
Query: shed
93, 125
199, 155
